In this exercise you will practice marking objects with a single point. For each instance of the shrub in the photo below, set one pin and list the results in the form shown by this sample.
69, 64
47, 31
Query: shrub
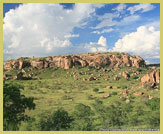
95, 89
114, 93
59, 120
83, 118
153, 119
154, 104
139, 70
123, 87
134, 77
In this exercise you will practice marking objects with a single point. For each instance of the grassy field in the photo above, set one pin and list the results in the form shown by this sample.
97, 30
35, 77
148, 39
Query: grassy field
55, 88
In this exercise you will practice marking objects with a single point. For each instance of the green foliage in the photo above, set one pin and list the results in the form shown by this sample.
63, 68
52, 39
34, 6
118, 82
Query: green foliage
139, 69
83, 118
26, 63
116, 115
91, 67
134, 77
62, 91
14, 106
95, 89
58, 121
123, 87
114, 93
153, 119
30, 125
154, 104
136, 116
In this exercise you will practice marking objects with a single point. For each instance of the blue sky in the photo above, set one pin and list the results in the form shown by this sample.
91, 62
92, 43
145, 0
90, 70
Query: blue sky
54, 29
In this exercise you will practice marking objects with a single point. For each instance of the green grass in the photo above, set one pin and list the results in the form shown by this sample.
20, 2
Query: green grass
58, 88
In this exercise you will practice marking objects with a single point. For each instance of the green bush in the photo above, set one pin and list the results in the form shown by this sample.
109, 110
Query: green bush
154, 104
123, 87
95, 89
134, 77
83, 118
139, 69
153, 119
60, 120
114, 93
14, 106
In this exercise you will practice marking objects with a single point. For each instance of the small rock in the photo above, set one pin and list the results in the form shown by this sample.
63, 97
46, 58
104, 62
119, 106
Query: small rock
91, 78
138, 94
127, 101
109, 87
105, 96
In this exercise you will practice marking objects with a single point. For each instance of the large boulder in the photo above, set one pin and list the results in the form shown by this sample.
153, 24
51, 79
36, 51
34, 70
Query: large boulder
125, 75
22, 76
151, 78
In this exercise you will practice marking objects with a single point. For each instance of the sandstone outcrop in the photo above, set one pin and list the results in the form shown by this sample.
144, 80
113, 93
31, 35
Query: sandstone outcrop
125, 75
152, 78
82, 60
22, 76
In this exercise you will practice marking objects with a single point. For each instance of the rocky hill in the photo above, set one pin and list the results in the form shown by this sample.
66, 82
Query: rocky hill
83, 60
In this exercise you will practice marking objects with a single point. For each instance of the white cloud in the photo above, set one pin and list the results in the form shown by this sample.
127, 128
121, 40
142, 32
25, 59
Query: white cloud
107, 20
144, 42
103, 31
71, 35
102, 41
129, 19
120, 7
100, 46
41, 29
143, 7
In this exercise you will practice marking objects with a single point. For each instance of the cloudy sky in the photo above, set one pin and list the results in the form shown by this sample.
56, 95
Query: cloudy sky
54, 29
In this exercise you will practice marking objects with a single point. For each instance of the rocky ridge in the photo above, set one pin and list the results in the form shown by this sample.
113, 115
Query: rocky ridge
82, 60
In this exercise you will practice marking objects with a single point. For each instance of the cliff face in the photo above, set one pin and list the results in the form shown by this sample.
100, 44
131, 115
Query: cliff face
67, 62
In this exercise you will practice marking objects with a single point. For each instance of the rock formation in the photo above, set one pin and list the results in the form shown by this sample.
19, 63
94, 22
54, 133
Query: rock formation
125, 75
152, 78
67, 62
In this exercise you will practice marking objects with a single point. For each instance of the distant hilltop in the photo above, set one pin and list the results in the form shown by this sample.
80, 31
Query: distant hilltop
82, 60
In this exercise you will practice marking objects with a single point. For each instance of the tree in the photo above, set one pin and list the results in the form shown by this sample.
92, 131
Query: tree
59, 120
83, 118
152, 118
112, 116
14, 106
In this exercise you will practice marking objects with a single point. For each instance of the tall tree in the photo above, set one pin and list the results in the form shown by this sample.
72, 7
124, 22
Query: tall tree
14, 106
